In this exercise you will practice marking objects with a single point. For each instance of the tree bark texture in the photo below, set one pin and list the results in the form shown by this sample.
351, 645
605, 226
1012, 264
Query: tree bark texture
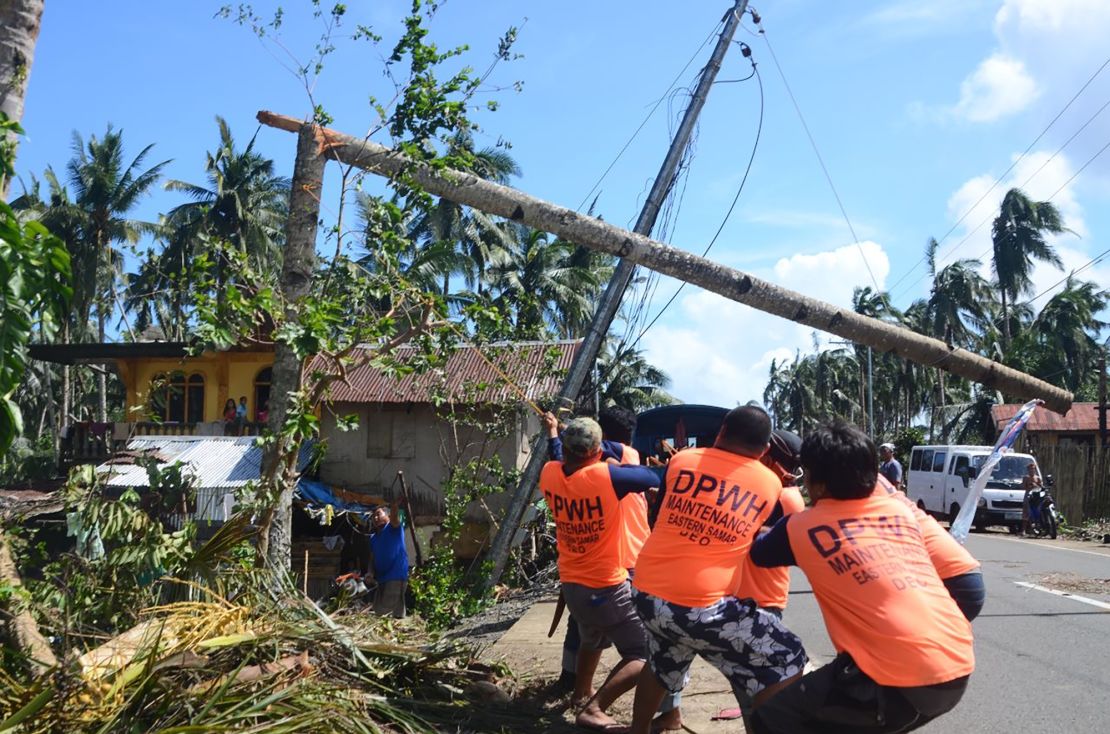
23, 630
742, 287
298, 262
20, 21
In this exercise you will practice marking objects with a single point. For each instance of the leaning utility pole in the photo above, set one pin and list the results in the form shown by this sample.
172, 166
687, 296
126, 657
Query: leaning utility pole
586, 356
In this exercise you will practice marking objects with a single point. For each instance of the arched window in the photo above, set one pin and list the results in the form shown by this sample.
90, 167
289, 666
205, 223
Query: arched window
177, 398
262, 393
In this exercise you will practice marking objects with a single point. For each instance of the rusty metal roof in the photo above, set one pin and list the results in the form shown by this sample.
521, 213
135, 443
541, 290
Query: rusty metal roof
1083, 417
536, 368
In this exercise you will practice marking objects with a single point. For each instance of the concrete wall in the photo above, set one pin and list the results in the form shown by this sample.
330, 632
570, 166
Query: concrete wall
415, 440
226, 375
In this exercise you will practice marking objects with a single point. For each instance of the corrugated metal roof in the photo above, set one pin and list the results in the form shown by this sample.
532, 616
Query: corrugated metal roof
1081, 417
215, 461
537, 368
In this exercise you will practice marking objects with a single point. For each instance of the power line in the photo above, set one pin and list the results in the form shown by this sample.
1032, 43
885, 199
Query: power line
649, 115
1025, 183
1006, 172
728, 214
820, 159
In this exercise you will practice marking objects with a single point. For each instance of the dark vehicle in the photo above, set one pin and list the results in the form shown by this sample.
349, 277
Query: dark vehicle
661, 431
1043, 517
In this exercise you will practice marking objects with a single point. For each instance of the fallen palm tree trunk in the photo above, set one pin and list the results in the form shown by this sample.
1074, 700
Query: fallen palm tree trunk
22, 628
468, 189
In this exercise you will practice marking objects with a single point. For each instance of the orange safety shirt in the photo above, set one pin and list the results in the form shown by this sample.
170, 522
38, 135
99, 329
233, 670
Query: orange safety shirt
770, 587
634, 516
881, 598
588, 524
714, 502
948, 556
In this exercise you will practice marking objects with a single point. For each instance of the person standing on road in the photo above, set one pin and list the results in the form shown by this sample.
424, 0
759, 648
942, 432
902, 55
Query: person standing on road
1030, 482
584, 495
890, 467
713, 501
390, 560
904, 647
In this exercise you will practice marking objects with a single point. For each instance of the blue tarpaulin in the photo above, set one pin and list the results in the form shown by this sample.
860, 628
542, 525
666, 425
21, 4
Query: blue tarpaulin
318, 496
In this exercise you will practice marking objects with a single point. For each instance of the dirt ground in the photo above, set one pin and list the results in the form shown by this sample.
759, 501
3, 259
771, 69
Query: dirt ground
535, 659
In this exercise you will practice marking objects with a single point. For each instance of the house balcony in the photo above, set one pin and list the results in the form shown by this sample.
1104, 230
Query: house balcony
89, 442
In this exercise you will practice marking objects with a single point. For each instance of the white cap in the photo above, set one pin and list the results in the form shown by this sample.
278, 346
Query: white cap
887, 446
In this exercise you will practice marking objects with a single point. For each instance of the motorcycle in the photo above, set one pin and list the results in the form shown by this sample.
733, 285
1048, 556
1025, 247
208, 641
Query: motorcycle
1044, 518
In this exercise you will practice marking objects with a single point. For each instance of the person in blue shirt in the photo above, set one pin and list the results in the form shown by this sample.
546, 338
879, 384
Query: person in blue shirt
890, 467
390, 560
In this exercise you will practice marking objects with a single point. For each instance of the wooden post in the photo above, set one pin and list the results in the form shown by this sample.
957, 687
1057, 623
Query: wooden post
412, 524
470, 190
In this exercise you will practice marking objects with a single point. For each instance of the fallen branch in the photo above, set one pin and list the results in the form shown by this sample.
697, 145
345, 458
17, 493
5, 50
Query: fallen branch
22, 627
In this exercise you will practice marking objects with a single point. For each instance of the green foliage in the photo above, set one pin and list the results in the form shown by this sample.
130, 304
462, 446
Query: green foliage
123, 550
1061, 344
443, 588
905, 439
26, 460
34, 288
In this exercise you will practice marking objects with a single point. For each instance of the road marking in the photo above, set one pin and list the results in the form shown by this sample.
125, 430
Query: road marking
1035, 544
1065, 594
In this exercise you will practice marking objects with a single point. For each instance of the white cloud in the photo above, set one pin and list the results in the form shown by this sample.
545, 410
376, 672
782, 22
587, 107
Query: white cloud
719, 352
908, 17
998, 88
1040, 176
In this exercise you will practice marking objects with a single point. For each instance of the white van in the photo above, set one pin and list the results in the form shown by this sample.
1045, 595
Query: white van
939, 477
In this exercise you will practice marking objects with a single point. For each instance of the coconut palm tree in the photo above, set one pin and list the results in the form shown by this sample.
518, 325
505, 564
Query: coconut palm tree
243, 206
484, 240
627, 379
544, 285
104, 191
1065, 335
1018, 237
20, 21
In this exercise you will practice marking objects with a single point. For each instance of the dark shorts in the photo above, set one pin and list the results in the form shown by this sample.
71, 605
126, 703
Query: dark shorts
840, 698
606, 615
751, 647
389, 598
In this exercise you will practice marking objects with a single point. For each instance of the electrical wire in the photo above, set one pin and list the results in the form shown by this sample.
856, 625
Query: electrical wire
649, 115
820, 159
998, 180
728, 214
1025, 183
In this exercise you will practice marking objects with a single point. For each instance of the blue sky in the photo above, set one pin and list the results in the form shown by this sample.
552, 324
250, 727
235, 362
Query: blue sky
916, 109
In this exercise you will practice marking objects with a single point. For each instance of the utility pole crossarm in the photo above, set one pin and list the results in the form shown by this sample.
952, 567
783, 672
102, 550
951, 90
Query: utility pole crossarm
470, 190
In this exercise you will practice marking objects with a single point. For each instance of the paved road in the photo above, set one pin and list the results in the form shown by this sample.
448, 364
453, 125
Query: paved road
1043, 660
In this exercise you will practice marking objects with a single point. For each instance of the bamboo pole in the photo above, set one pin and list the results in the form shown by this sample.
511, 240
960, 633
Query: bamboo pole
470, 190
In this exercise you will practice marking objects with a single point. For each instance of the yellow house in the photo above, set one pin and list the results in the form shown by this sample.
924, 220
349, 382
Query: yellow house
196, 389
168, 386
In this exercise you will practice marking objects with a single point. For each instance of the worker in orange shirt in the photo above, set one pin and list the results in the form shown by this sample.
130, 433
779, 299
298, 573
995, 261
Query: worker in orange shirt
712, 503
904, 647
770, 587
956, 567
584, 494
